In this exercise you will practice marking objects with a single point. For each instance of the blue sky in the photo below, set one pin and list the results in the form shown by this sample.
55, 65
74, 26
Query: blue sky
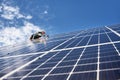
72, 15
58, 16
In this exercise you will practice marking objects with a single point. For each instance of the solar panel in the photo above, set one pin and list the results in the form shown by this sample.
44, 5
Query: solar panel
92, 54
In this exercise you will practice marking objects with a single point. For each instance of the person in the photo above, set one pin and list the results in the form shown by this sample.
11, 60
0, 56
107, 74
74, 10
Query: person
39, 37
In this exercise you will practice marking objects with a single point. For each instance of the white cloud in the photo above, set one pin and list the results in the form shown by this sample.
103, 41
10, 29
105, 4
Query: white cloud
45, 12
13, 35
0, 8
10, 12
29, 17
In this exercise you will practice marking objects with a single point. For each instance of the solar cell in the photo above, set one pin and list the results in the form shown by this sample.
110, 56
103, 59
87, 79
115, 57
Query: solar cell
92, 54
84, 76
87, 61
111, 75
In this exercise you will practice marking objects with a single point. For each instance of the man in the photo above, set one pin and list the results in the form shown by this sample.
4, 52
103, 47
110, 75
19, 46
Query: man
39, 37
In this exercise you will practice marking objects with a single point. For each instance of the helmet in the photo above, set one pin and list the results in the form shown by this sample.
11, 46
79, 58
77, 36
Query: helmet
43, 32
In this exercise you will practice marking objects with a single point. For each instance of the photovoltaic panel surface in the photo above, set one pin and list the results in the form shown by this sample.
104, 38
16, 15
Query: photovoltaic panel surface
92, 54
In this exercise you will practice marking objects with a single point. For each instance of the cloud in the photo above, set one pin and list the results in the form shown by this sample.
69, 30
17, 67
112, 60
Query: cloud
0, 8
13, 35
15, 26
10, 12
45, 12
10, 35
28, 17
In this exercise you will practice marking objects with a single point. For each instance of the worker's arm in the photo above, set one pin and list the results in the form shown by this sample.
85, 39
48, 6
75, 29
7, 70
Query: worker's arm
31, 37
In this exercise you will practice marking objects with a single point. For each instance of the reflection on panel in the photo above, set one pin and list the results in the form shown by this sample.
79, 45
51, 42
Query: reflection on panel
65, 55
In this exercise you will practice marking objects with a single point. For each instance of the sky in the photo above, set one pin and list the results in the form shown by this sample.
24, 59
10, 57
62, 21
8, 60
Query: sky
21, 18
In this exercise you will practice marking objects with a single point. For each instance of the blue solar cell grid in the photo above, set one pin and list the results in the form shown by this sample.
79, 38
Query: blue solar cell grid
92, 54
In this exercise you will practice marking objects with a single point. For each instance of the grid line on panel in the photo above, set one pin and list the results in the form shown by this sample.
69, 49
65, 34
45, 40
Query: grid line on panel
55, 74
38, 66
68, 73
113, 31
76, 37
52, 40
110, 69
67, 34
12, 72
10, 48
98, 62
46, 60
73, 72
56, 40
55, 66
23, 49
73, 65
14, 64
75, 40
78, 59
113, 44
77, 47
60, 61
22, 55
79, 65
104, 54
84, 37
94, 34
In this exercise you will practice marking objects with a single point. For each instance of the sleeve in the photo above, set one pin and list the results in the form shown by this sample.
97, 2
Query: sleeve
31, 37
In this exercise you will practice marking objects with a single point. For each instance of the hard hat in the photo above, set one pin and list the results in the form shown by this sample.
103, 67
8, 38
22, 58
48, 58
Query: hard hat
43, 32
